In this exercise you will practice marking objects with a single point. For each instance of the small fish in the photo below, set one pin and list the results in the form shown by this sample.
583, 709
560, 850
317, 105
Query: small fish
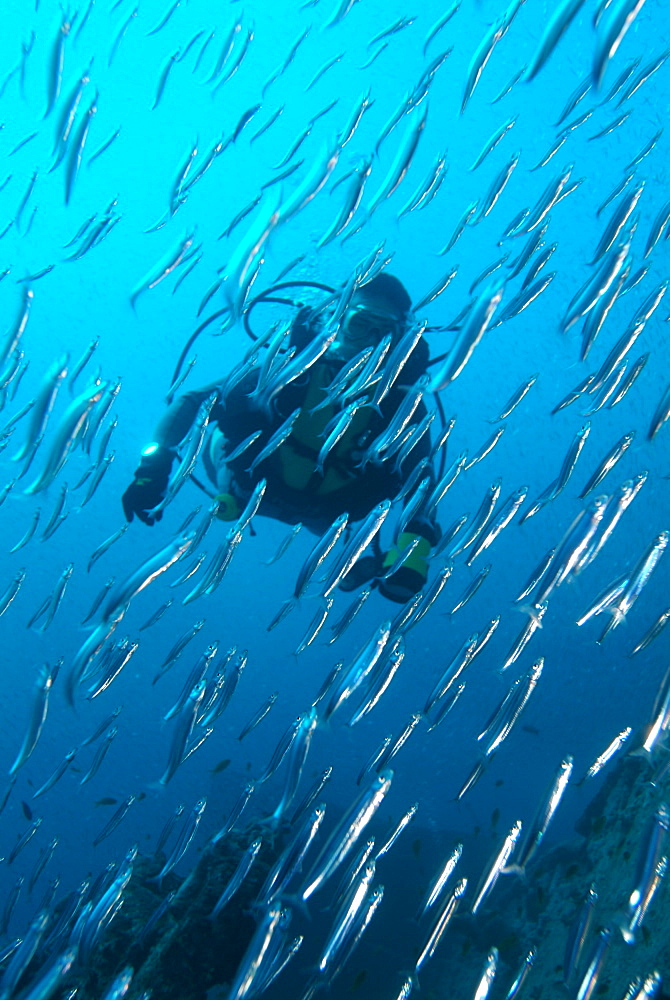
497, 187
491, 144
546, 811
516, 398
510, 85
439, 926
402, 22
56, 66
107, 800
221, 766
77, 149
551, 152
237, 878
488, 975
645, 73
441, 22
437, 289
470, 335
124, 875
57, 774
268, 124
347, 832
351, 203
652, 632
499, 862
465, 220
163, 79
607, 754
483, 53
341, 11
578, 95
172, 259
401, 163
611, 32
645, 151
608, 463
505, 515
637, 580
558, 23
324, 69
611, 126
164, 20
661, 415
360, 539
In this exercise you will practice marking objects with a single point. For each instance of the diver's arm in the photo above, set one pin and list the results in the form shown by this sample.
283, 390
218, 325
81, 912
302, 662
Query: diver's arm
153, 472
178, 419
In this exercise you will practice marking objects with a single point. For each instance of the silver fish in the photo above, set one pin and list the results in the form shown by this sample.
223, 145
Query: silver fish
237, 878
491, 874
453, 671
360, 540
70, 430
400, 165
351, 202
45, 679
522, 975
554, 31
547, 809
608, 463
11, 591
440, 23
183, 729
296, 757
123, 593
506, 715
607, 754
362, 665
347, 832
617, 222
611, 33
637, 581
652, 632
500, 181
573, 550
491, 144
465, 220
645, 73
440, 924
472, 332
485, 49
578, 935
661, 415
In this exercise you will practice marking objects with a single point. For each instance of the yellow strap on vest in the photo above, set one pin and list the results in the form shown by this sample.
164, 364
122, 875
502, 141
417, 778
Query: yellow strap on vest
418, 560
228, 509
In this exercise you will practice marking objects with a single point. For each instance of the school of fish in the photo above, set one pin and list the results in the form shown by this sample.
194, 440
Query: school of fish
587, 337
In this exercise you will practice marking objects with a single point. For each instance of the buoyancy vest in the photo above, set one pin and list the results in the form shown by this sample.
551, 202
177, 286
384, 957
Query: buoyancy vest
296, 458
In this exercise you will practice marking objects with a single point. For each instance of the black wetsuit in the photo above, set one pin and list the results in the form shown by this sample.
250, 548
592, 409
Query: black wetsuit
296, 490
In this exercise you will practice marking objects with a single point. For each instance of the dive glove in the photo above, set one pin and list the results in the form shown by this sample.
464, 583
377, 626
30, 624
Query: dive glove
149, 485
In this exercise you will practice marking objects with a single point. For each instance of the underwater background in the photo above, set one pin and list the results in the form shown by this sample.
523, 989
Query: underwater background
156, 88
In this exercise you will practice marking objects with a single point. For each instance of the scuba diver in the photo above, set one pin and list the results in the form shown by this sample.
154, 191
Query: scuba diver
332, 430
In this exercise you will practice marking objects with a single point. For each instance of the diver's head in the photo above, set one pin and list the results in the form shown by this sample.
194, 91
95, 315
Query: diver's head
378, 308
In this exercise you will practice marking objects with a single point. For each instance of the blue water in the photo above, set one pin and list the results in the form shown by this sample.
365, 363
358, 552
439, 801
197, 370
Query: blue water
588, 692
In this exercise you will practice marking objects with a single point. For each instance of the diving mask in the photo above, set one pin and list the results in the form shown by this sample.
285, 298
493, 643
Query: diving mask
363, 326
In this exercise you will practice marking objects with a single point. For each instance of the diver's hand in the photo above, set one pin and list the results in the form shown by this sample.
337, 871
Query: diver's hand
402, 585
149, 486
